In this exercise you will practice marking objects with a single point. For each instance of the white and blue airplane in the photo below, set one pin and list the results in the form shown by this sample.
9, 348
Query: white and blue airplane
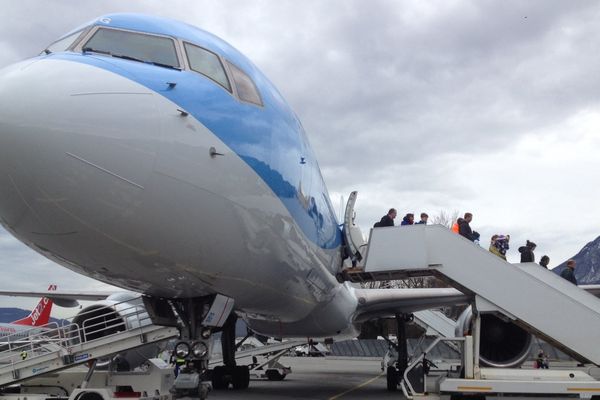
151, 155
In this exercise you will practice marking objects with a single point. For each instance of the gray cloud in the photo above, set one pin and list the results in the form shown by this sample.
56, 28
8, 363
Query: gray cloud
409, 102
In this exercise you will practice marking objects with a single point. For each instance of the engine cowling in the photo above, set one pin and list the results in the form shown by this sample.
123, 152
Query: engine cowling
502, 344
119, 312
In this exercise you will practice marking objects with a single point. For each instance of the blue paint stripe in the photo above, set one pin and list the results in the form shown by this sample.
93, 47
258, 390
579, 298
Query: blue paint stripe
264, 137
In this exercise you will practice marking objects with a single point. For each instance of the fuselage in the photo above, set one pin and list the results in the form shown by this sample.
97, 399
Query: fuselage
153, 156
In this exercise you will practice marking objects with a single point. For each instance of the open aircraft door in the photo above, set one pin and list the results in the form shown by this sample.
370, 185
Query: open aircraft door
353, 236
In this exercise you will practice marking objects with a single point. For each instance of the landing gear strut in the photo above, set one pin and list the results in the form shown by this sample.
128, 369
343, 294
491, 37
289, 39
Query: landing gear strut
230, 373
395, 372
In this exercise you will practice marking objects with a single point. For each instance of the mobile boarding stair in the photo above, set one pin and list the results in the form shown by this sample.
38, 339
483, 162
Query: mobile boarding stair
55, 347
528, 295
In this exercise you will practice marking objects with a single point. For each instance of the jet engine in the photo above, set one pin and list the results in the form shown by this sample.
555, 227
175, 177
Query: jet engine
119, 312
502, 343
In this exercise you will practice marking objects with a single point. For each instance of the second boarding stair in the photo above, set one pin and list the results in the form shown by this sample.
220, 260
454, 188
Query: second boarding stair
54, 347
531, 296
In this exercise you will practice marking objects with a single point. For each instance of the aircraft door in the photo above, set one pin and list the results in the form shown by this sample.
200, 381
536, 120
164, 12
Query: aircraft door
352, 233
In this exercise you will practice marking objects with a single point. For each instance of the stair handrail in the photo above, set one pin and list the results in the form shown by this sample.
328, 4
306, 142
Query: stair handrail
405, 384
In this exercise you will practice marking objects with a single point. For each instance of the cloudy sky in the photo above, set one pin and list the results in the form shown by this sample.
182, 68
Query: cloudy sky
491, 107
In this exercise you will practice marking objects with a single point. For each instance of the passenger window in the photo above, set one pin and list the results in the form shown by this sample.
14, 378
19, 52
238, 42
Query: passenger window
134, 46
64, 43
207, 63
245, 86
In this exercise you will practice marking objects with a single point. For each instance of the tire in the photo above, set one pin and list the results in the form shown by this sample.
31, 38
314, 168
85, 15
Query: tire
217, 378
392, 379
89, 396
274, 375
241, 377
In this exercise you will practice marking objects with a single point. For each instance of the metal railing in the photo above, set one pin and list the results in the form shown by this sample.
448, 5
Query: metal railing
97, 322
405, 384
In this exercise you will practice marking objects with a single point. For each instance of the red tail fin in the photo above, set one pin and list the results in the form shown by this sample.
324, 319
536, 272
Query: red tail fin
40, 315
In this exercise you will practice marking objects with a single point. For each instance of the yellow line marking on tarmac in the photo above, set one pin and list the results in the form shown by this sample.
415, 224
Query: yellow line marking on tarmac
475, 388
337, 396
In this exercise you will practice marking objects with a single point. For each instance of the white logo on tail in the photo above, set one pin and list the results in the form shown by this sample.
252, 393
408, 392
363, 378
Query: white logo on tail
37, 312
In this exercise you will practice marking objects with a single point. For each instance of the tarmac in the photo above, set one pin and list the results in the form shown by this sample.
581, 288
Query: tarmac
320, 378
344, 378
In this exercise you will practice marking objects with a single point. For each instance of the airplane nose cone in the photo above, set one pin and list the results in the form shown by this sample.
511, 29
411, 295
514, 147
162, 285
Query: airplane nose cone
77, 145
19, 155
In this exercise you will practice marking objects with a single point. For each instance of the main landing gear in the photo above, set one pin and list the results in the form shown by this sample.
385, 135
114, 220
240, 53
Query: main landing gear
230, 373
396, 368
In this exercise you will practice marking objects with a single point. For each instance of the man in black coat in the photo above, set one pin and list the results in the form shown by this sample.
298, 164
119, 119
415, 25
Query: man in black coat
568, 273
464, 229
387, 220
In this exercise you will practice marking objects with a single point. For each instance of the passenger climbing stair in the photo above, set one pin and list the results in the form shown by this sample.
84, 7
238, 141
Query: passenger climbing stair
54, 347
529, 295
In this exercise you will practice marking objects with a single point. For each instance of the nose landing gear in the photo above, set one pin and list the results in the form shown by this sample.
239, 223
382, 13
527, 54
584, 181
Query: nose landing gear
197, 319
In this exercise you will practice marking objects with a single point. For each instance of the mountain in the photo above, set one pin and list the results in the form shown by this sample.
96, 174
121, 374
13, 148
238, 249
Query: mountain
13, 314
587, 269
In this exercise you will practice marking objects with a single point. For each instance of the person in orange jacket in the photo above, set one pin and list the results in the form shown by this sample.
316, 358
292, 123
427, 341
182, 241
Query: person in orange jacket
455, 227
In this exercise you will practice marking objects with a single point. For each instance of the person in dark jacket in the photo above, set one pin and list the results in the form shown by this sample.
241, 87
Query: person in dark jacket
408, 219
569, 272
464, 228
544, 261
386, 220
424, 218
527, 252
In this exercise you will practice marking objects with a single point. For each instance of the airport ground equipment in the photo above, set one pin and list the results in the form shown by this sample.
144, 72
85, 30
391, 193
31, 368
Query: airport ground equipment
435, 323
268, 365
492, 382
526, 295
152, 381
105, 331
532, 297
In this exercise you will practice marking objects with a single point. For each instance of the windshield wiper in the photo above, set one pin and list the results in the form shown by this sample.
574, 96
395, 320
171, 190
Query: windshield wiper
158, 64
89, 49
164, 65
124, 57
130, 58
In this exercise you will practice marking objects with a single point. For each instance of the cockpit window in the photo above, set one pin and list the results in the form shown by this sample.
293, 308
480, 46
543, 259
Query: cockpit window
134, 46
246, 89
207, 63
64, 43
